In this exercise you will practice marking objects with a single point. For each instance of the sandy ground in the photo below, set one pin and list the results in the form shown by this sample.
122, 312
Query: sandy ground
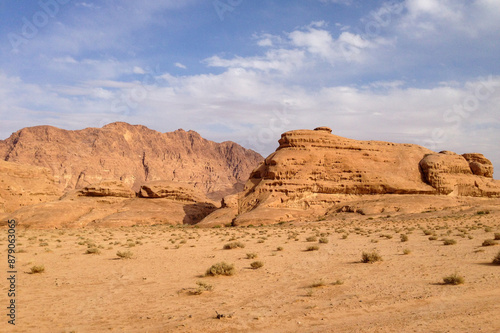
153, 291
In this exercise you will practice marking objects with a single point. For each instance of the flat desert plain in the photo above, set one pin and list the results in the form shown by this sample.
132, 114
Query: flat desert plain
311, 279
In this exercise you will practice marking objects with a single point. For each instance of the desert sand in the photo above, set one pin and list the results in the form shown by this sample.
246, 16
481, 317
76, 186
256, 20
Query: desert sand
324, 290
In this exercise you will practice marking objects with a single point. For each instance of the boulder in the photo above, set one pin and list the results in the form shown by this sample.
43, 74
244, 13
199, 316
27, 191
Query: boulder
479, 165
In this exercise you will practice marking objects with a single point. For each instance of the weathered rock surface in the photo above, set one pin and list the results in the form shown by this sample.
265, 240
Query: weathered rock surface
313, 173
111, 204
107, 188
479, 165
133, 155
23, 185
463, 175
171, 190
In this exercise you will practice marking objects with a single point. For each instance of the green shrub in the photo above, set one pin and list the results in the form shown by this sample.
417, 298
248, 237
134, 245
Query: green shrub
251, 255
202, 287
256, 264
124, 254
496, 259
233, 245
220, 268
490, 242
449, 241
93, 250
318, 283
453, 279
370, 257
37, 269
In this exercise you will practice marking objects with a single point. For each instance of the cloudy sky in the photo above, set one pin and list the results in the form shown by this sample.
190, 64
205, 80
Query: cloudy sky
412, 71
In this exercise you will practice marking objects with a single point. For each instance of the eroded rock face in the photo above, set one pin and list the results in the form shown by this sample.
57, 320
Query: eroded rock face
443, 171
109, 188
318, 163
313, 173
113, 204
171, 190
462, 175
133, 155
23, 185
479, 165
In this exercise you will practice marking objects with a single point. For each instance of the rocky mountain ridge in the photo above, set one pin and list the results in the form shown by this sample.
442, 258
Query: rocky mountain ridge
132, 154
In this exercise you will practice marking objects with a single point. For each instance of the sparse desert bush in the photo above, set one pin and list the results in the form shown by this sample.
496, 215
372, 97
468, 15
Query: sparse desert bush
318, 283
233, 245
338, 283
256, 264
406, 251
93, 250
312, 248
427, 232
202, 287
251, 255
279, 248
489, 242
496, 259
37, 269
404, 237
124, 254
483, 212
433, 238
497, 236
449, 241
220, 268
453, 279
323, 240
370, 257
311, 239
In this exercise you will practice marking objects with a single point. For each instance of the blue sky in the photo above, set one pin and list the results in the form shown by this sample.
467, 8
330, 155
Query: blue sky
415, 71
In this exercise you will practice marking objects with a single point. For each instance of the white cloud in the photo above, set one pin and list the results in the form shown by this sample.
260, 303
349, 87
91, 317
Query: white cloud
280, 60
138, 70
254, 108
178, 64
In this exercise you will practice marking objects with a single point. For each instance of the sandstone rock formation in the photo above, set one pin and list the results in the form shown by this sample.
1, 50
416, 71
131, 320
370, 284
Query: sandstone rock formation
313, 173
23, 185
463, 175
112, 204
133, 155
109, 188
171, 190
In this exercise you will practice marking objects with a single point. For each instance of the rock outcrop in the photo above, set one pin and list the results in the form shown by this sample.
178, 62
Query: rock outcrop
313, 173
112, 204
109, 188
133, 155
171, 190
462, 175
24, 185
